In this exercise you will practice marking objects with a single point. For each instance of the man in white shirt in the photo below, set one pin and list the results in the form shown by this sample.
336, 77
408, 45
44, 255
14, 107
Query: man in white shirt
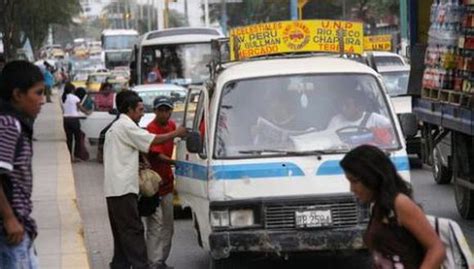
123, 142
353, 114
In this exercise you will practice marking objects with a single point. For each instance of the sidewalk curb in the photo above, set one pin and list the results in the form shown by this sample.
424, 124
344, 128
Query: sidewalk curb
61, 238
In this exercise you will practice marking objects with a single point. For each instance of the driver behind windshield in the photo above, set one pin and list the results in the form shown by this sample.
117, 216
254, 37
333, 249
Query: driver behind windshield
355, 115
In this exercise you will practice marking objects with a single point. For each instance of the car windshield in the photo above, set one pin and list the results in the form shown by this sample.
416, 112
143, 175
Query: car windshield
302, 114
180, 64
178, 97
396, 83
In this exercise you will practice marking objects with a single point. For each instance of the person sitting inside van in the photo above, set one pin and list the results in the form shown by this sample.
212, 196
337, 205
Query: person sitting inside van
154, 75
104, 99
354, 114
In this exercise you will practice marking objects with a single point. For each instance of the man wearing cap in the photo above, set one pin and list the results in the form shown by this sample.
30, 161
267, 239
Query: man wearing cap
160, 224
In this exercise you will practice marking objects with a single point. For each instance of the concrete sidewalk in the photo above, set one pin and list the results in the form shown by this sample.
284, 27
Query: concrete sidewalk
60, 243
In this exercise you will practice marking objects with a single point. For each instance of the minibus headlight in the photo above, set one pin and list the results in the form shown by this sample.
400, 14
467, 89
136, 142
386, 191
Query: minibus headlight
220, 218
241, 218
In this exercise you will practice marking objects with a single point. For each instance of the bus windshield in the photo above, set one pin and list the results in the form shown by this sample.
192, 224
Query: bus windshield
180, 64
116, 42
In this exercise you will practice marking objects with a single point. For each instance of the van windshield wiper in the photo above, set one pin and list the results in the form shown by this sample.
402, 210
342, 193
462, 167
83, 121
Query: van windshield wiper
295, 153
263, 151
323, 152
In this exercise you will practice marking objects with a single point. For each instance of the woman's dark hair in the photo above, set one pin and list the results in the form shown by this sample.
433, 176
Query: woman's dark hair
105, 85
127, 100
20, 75
68, 88
80, 92
374, 169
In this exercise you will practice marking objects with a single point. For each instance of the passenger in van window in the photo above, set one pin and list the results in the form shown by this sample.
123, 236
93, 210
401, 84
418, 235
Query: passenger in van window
160, 225
399, 234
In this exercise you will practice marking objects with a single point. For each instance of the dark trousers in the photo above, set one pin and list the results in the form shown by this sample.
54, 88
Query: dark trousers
72, 128
128, 233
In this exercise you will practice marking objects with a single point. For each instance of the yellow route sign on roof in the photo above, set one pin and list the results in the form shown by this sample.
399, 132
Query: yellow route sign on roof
296, 36
378, 42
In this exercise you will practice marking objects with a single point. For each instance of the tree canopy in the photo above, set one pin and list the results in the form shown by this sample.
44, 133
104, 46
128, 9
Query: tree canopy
257, 11
22, 19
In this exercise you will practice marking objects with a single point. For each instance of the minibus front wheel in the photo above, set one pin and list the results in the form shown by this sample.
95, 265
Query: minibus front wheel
235, 261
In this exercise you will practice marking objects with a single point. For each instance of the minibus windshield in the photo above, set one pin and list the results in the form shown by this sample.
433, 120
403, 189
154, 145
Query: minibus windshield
302, 113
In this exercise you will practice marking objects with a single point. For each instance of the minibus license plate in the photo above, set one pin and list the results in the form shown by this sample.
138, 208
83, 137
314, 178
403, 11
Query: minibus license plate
313, 218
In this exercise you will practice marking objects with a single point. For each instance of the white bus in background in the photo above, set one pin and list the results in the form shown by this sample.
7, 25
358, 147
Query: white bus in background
180, 54
117, 45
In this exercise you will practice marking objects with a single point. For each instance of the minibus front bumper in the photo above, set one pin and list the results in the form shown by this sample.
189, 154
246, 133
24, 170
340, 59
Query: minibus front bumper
223, 243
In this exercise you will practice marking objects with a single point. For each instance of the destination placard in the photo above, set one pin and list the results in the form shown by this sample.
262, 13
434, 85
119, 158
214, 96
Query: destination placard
378, 43
296, 36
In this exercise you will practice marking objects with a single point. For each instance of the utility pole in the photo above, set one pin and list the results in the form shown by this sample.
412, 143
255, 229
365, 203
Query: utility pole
294, 9
224, 16
206, 13
186, 13
404, 30
149, 8
344, 9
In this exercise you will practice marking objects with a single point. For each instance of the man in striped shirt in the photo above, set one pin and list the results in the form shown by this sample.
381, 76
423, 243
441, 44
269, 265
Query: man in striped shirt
21, 97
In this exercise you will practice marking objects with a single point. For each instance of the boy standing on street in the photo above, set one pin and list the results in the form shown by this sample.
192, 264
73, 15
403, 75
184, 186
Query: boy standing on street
160, 225
21, 97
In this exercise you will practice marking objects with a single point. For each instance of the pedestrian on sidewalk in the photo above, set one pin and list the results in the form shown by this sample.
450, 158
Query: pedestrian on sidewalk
399, 234
48, 80
21, 97
71, 105
160, 225
123, 142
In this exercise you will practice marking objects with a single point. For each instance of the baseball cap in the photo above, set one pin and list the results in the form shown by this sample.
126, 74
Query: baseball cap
162, 101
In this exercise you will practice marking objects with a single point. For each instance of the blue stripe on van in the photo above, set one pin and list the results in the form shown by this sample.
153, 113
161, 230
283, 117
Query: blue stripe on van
191, 170
239, 171
331, 168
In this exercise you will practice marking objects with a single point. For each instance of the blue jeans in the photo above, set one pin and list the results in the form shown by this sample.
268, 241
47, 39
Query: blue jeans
21, 256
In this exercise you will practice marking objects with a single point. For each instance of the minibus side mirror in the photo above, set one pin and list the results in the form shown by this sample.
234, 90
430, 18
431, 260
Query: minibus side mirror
194, 142
409, 124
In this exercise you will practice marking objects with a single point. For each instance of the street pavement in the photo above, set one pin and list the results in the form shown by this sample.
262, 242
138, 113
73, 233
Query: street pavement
435, 199
60, 243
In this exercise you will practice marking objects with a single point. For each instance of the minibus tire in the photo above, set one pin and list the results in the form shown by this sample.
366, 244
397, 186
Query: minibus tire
233, 262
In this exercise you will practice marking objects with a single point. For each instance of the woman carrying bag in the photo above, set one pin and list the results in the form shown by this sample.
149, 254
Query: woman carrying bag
399, 235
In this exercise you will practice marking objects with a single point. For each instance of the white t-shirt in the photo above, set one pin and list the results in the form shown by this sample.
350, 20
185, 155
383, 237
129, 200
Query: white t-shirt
375, 120
70, 106
123, 141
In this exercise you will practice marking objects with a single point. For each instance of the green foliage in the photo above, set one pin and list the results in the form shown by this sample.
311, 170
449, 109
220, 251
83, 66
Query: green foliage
176, 19
251, 12
31, 19
257, 11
